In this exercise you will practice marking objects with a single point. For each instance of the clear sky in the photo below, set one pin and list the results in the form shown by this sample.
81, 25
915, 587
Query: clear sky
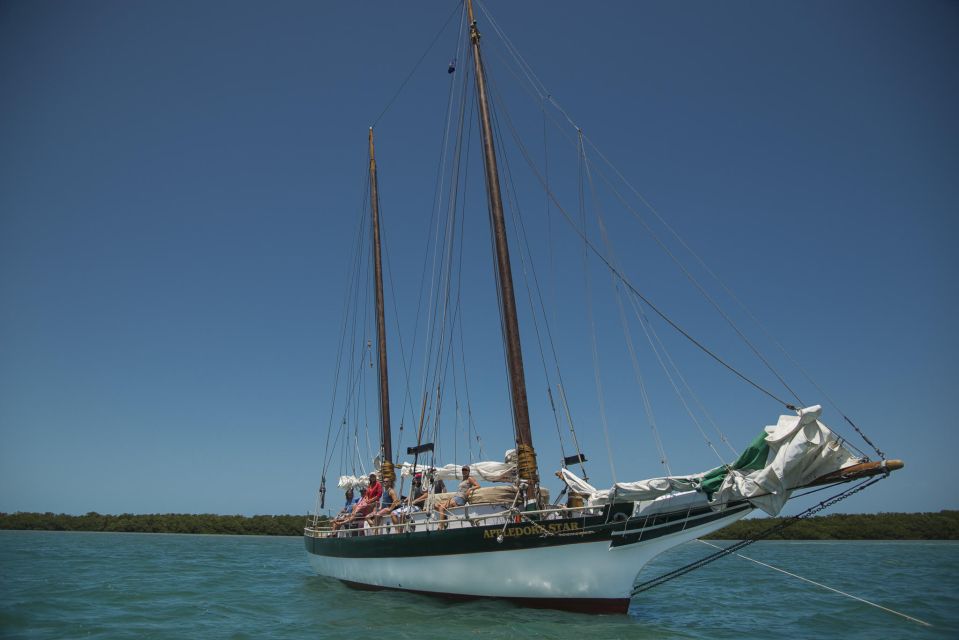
180, 182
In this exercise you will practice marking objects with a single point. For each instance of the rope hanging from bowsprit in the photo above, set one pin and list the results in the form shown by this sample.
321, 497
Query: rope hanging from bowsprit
702, 562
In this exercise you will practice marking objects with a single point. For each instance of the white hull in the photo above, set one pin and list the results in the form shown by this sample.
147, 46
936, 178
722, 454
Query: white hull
586, 570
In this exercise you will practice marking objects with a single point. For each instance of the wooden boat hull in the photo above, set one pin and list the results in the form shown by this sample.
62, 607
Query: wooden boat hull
580, 564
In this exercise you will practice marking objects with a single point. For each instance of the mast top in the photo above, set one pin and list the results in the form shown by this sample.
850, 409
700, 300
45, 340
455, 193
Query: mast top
474, 32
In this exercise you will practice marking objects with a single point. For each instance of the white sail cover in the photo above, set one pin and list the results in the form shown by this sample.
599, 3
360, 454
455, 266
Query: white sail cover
649, 489
801, 449
489, 471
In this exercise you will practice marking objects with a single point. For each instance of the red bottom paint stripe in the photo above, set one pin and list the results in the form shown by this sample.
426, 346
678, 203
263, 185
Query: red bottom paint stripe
579, 605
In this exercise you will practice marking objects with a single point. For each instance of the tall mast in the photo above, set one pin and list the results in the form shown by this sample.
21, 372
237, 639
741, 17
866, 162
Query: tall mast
386, 465
526, 457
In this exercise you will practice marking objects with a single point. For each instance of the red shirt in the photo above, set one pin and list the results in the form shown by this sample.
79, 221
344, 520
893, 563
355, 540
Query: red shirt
373, 492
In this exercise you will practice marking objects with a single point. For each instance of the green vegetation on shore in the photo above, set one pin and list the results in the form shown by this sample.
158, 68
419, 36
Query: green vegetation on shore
881, 526
943, 525
158, 523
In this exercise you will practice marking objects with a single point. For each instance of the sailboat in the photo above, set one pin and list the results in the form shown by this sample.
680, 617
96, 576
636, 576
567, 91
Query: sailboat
509, 540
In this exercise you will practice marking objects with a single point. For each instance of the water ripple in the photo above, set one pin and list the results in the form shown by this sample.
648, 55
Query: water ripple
109, 585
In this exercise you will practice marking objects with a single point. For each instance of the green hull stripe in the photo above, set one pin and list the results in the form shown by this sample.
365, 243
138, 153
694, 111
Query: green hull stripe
524, 535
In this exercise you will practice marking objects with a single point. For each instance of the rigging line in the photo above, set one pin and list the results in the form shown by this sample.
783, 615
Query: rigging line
737, 300
646, 329
366, 423
653, 340
340, 347
611, 252
368, 331
434, 211
539, 292
679, 374
547, 116
448, 261
439, 369
776, 528
549, 220
819, 584
622, 312
469, 406
700, 288
448, 362
650, 417
358, 278
723, 285
399, 335
662, 347
457, 312
417, 65
632, 288
592, 320
471, 424
440, 222
544, 94
463, 169
519, 230
456, 401
679, 238
496, 279
360, 398
435, 217
527, 70
445, 351
525, 67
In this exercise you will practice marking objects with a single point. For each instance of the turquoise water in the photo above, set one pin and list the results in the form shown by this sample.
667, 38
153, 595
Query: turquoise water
116, 585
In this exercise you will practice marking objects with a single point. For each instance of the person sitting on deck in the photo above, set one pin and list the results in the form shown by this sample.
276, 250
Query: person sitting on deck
388, 502
461, 497
371, 498
350, 503
348, 514
374, 490
415, 503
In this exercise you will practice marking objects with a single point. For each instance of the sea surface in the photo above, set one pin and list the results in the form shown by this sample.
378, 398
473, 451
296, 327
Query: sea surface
129, 585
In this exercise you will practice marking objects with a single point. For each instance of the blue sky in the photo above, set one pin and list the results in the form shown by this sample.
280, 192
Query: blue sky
179, 186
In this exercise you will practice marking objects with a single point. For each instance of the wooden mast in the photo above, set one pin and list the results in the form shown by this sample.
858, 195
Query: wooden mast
526, 458
386, 448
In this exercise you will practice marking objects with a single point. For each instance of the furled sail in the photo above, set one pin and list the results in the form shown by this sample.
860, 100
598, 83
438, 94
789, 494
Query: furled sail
489, 471
801, 449
788, 455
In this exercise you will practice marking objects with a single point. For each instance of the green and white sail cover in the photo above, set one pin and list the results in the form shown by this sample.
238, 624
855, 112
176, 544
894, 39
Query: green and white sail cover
790, 454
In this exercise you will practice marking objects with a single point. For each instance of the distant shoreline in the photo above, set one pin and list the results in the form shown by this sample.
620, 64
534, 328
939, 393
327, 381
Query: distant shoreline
942, 525
206, 523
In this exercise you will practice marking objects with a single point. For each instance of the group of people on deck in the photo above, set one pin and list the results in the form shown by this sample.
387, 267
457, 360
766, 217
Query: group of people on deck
379, 500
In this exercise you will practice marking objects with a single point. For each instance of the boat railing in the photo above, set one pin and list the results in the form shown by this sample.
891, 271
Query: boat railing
484, 514
458, 517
